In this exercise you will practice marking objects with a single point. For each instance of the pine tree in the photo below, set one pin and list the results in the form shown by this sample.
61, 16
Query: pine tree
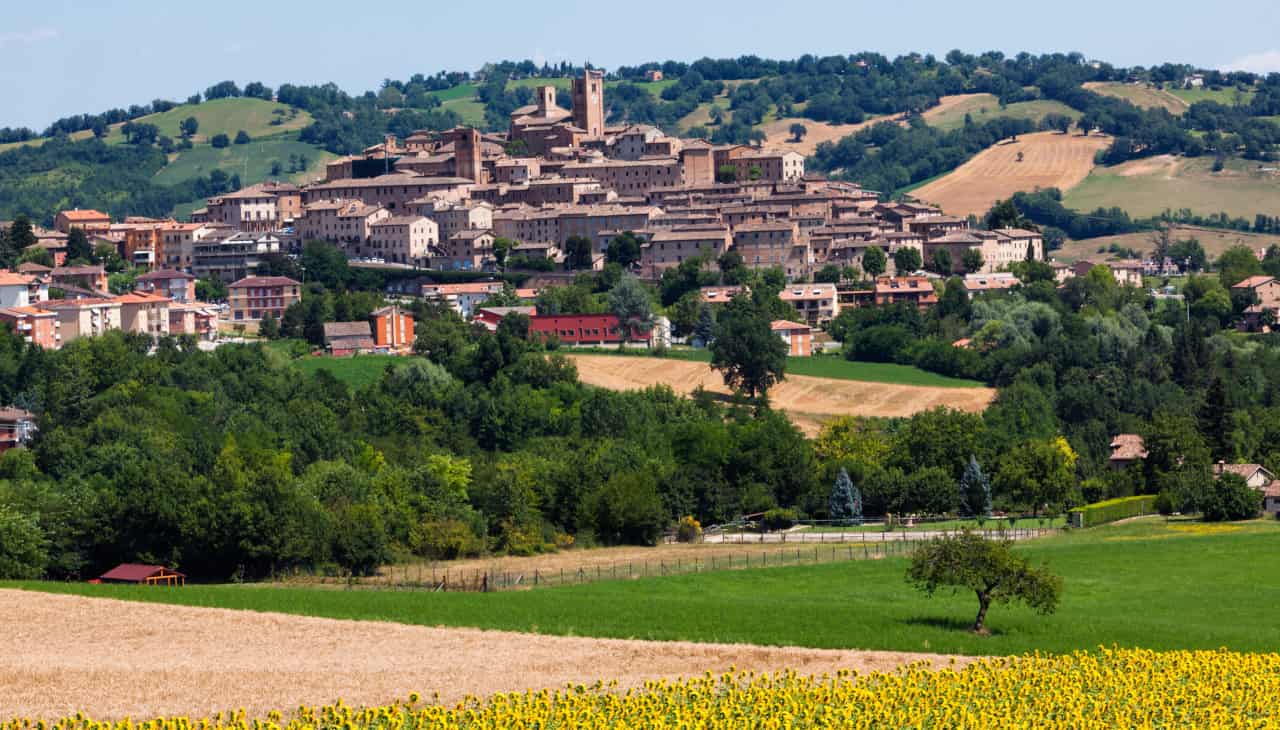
78, 248
705, 328
846, 501
1216, 422
975, 490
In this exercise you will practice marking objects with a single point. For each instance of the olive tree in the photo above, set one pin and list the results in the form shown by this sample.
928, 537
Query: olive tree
989, 569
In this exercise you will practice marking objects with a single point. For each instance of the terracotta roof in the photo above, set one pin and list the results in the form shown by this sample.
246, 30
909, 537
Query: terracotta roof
12, 278
84, 215
9, 414
1241, 470
31, 267
1127, 447
1252, 282
782, 324
79, 270
249, 281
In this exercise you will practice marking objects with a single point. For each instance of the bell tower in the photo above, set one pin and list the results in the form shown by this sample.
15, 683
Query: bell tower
588, 102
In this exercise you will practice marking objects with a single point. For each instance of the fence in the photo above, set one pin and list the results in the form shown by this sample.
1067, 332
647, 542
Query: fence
433, 577
867, 533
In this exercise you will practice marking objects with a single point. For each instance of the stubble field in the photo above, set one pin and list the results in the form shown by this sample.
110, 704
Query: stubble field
1050, 160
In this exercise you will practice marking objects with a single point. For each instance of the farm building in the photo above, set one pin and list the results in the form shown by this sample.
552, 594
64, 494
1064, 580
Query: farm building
797, 336
348, 338
151, 575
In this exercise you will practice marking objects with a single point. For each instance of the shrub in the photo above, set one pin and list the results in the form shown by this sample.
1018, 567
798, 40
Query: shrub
628, 510
446, 539
689, 530
1100, 513
22, 546
1229, 497
779, 518
220, 141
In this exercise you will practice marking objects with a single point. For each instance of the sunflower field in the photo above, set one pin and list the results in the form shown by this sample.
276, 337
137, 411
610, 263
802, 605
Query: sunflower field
1105, 689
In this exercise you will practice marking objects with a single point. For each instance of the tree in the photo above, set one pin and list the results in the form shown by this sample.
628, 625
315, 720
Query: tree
211, 290
975, 490
873, 261
269, 327
624, 249
1237, 264
629, 301
845, 503
749, 356
798, 131
189, 126
907, 259
1216, 421
1038, 473
628, 510
1229, 497
989, 569
78, 248
577, 252
1004, 214
941, 263
220, 141
829, 274
726, 174
242, 137
23, 546
501, 250
705, 329
972, 260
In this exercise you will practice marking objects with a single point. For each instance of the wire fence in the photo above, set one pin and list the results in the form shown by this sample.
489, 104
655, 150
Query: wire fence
438, 577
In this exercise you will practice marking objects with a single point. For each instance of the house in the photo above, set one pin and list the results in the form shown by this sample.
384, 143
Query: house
462, 298
20, 290
150, 575
393, 329
254, 297
36, 326
652, 75
402, 239
1127, 272
1126, 449
93, 278
16, 427
1255, 475
975, 284
177, 285
89, 221
914, 289
347, 338
1265, 289
799, 337
815, 303
719, 294
1271, 498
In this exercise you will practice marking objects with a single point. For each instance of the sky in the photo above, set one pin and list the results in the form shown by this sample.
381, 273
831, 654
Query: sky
59, 58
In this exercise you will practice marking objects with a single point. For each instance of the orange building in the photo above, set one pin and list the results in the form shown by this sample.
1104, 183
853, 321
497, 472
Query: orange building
393, 329
799, 337
89, 221
35, 326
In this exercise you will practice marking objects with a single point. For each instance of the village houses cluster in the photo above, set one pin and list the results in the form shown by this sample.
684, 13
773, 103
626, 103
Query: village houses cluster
440, 200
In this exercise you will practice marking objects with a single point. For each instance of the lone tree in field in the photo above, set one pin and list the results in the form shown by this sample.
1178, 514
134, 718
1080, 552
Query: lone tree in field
989, 569
798, 131
745, 350
846, 501
975, 489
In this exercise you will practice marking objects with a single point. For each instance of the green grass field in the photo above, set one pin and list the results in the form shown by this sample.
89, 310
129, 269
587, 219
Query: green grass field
1225, 96
985, 107
228, 116
1150, 186
1145, 584
357, 372
821, 366
252, 162
1141, 95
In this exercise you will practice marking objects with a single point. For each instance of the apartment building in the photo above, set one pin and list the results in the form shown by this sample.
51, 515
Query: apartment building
254, 297
467, 250
20, 290
668, 248
88, 317
93, 278
630, 177
176, 285
630, 143
767, 165
917, 290
232, 257
778, 243
450, 218
36, 326
177, 244
144, 313
393, 329
816, 304
252, 209
464, 299
406, 239
393, 191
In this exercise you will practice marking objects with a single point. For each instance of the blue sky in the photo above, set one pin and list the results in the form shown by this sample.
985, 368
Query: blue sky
59, 57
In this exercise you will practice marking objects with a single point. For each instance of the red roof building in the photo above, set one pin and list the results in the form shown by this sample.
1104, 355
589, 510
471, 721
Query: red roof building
582, 329
151, 575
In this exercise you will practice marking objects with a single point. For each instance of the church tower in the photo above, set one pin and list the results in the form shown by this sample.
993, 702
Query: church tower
588, 102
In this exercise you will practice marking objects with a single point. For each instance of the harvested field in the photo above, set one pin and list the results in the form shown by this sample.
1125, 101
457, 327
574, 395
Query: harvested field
1152, 185
113, 659
779, 132
809, 401
1050, 160
1140, 95
952, 110
1214, 240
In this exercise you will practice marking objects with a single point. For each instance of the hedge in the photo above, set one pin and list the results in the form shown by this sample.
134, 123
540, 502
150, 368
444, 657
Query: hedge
1100, 513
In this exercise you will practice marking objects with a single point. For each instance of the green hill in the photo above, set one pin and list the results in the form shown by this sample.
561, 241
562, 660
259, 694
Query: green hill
227, 116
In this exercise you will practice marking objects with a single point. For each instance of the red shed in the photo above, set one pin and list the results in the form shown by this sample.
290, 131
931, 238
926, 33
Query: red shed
151, 575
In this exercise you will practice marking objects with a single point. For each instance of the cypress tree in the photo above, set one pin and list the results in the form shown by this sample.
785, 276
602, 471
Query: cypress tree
846, 500
975, 490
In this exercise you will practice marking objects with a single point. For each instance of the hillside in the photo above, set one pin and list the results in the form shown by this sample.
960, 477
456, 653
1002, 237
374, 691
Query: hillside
1214, 240
950, 113
1153, 185
1050, 159
1141, 95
